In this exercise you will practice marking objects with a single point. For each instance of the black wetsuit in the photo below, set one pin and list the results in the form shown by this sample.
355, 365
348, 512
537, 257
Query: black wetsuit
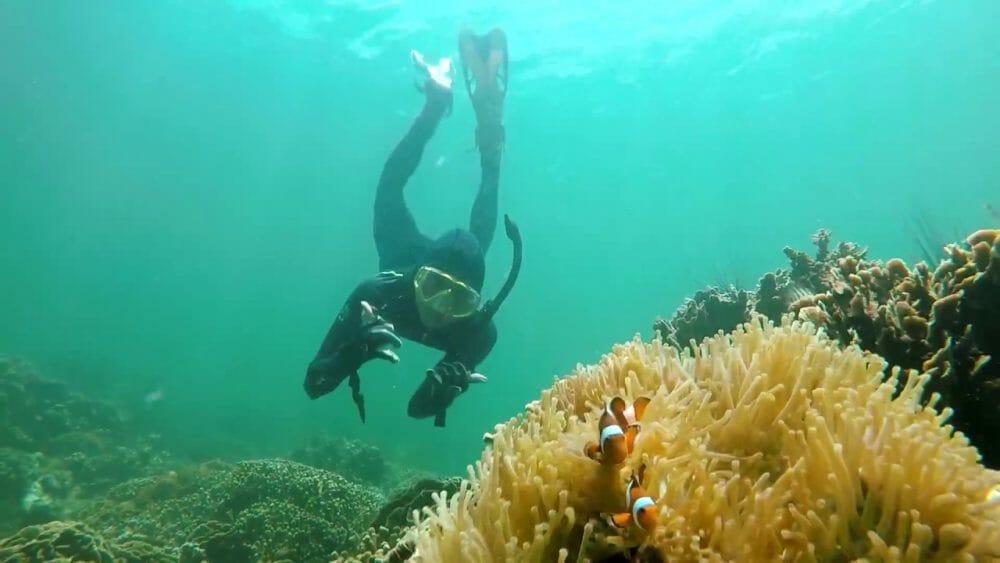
403, 248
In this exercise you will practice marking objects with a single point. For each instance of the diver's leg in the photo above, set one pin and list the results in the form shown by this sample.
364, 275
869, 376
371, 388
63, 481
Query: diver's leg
483, 223
397, 238
484, 61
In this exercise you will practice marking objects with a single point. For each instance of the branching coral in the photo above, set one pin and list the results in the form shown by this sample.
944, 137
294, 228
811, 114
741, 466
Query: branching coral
771, 443
942, 318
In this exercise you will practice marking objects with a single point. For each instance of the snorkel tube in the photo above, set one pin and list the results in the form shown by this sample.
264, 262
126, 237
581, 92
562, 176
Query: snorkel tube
485, 314
491, 306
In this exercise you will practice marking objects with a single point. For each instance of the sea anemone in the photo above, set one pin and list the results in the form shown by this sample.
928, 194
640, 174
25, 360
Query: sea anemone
768, 443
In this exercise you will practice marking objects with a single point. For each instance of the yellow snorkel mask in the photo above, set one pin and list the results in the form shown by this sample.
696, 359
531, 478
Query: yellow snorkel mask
441, 298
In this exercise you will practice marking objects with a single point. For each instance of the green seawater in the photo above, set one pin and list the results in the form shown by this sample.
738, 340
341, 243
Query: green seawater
186, 187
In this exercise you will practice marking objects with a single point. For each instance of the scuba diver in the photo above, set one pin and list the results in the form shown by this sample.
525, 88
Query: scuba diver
428, 291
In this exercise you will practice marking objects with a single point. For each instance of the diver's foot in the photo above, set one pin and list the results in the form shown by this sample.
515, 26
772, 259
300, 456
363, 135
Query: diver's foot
484, 68
437, 80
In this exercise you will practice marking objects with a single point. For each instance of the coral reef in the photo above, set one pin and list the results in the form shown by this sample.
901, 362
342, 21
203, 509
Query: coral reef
385, 539
398, 512
56, 445
257, 510
351, 459
28, 494
942, 319
73, 541
709, 311
35, 411
768, 443
79, 468
945, 321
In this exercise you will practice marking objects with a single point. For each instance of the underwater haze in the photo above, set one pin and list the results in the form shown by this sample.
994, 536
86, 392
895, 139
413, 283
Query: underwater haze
187, 186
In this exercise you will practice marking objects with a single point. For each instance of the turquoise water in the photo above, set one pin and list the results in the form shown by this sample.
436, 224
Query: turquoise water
187, 186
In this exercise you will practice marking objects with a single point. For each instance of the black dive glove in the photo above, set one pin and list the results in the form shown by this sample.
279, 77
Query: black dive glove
375, 335
448, 380
375, 338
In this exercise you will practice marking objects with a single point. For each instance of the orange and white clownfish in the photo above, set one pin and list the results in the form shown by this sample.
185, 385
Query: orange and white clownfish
641, 508
617, 429
633, 414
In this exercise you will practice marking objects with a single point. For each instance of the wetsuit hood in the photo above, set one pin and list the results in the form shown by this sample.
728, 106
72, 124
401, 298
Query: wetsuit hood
458, 253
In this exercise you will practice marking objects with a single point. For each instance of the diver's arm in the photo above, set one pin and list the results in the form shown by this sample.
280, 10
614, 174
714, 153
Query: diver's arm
352, 339
452, 375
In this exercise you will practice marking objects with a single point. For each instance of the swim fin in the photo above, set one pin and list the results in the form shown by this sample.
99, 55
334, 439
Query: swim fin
485, 70
485, 61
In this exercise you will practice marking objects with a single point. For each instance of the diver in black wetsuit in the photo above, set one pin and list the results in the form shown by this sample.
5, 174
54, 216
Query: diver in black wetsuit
428, 290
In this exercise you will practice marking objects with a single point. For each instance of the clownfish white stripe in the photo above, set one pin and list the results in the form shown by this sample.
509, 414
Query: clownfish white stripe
629, 415
609, 432
640, 503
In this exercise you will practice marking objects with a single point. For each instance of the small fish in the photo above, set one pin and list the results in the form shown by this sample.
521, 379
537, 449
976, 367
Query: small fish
617, 429
641, 508
153, 397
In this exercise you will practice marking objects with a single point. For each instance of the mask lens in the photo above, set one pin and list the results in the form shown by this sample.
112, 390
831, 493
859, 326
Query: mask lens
432, 283
444, 294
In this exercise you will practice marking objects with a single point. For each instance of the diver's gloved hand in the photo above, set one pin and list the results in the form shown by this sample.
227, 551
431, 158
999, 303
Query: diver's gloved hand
377, 337
448, 380
451, 379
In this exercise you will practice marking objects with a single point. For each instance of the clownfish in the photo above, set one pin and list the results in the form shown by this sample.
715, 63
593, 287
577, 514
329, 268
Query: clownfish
634, 413
617, 429
641, 508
